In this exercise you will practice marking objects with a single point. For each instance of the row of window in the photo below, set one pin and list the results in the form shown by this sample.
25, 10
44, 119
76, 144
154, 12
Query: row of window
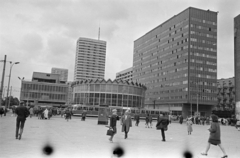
203, 55
44, 96
203, 48
203, 41
204, 21
199, 68
203, 34
203, 28
40, 87
203, 76
203, 62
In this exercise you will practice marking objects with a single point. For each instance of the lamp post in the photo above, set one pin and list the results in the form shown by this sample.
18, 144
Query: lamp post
21, 88
7, 103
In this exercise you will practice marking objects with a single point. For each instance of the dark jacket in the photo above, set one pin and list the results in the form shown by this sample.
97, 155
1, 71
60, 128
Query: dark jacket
214, 134
113, 121
126, 123
162, 122
22, 112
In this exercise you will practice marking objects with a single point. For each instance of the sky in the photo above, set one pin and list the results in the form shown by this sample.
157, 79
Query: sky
41, 34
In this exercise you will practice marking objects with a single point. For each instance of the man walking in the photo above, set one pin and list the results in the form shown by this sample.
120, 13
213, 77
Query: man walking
163, 124
137, 119
22, 113
126, 122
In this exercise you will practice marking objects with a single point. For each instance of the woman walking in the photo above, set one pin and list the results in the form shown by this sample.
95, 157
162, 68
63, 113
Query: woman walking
113, 123
189, 126
147, 121
126, 122
215, 135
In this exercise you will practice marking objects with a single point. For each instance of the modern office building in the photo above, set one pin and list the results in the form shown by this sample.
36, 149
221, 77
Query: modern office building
90, 59
44, 89
177, 61
226, 94
125, 75
62, 72
237, 62
113, 93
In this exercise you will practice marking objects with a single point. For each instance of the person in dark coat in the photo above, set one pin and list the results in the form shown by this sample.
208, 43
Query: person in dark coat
150, 120
215, 135
1, 111
181, 120
126, 122
84, 114
137, 119
22, 113
147, 121
113, 123
163, 122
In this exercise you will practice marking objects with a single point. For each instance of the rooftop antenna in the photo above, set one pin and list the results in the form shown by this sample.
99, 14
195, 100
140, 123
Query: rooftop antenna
99, 32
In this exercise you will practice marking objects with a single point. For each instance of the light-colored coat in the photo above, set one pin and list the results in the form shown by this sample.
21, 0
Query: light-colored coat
126, 123
46, 113
189, 126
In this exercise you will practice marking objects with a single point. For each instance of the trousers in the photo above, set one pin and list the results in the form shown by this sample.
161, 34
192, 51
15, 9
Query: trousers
20, 123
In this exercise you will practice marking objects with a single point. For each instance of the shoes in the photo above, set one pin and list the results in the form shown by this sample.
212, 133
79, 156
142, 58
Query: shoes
225, 156
205, 154
110, 140
19, 136
164, 140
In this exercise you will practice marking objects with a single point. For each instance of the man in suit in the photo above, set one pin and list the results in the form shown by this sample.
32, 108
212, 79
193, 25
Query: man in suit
22, 113
163, 123
137, 118
126, 122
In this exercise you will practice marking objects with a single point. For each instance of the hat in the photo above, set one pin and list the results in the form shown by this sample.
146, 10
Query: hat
21, 102
114, 110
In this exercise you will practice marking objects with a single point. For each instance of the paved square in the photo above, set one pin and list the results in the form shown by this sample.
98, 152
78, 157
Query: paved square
78, 138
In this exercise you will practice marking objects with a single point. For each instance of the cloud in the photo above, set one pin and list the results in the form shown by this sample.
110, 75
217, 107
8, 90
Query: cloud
32, 42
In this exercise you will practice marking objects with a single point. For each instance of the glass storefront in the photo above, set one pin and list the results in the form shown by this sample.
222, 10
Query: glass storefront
111, 94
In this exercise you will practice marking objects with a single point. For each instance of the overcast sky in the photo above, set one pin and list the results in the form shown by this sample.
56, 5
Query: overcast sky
41, 34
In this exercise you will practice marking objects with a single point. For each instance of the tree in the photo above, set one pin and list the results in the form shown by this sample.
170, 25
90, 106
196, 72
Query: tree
13, 101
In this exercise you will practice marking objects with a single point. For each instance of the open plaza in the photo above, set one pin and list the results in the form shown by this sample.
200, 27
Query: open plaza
77, 139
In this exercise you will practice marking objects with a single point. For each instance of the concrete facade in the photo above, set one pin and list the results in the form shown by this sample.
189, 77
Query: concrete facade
62, 72
125, 75
177, 61
90, 59
226, 94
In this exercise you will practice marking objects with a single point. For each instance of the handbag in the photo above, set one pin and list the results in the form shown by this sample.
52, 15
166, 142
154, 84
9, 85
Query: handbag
165, 128
109, 132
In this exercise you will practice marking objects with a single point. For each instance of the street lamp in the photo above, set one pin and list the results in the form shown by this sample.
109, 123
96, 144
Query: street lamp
7, 104
21, 88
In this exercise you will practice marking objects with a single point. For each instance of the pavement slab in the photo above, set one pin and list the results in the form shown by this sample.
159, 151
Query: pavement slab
80, 139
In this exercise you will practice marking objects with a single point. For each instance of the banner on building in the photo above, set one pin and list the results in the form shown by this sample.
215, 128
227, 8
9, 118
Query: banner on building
237, 111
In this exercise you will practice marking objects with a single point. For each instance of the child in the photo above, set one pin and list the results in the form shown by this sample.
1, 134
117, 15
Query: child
189, 126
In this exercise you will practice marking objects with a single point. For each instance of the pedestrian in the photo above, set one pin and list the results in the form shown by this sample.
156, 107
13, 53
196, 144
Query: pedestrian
238, 125
170, 118
22, 113
113, 123
181, 120
189, 126
162, 124
215, 135
1, 111
31, 112
147, 121
84, 114
137, 119
45, 113
67, 114
126, 122
150, 120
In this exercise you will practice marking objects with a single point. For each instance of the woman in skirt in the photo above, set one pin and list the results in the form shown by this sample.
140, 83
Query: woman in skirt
189, 126
214, 138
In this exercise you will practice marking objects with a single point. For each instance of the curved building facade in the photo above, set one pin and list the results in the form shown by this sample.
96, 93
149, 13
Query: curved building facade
113, 93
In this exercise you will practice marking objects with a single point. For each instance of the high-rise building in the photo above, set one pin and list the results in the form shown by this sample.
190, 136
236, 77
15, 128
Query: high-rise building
237, 62
125, 75
62, 72
90, 59
177, 61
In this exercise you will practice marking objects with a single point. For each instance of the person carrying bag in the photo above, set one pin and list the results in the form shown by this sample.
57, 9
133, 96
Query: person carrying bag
113, 125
